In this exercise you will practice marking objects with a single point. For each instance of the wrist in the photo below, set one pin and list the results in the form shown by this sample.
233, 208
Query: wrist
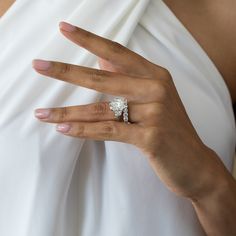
215, 180
215, 204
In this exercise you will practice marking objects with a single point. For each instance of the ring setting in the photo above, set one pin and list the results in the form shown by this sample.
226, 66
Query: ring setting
119, 106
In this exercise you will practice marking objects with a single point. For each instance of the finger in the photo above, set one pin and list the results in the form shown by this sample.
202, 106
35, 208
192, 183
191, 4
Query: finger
84, 113
121, 58
107, 130
138, 113
100, 80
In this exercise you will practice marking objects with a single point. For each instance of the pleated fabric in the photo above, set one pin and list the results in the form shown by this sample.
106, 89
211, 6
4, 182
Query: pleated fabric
55, 185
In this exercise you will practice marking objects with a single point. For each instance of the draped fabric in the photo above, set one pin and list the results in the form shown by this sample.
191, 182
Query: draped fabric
55, 185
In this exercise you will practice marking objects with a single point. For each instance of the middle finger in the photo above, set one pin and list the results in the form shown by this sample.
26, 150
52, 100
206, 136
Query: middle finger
113, 83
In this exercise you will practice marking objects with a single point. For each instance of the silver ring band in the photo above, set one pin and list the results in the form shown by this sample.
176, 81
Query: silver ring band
126, 112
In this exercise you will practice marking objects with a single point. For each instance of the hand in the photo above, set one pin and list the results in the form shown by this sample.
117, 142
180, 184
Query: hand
169, 140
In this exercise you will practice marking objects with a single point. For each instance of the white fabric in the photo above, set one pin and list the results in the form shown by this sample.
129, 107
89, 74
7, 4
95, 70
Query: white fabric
54, 185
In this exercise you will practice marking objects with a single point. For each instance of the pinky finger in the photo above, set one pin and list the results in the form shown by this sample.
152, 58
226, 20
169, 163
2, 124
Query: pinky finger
107, 130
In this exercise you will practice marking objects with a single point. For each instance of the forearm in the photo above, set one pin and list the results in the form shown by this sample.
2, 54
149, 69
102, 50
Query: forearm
216, 205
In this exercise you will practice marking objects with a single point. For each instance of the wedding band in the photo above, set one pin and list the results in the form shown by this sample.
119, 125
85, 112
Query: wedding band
125, 112
119, 106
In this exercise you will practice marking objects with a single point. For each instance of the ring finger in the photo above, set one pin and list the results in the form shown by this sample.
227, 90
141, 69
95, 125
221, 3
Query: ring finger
91, 113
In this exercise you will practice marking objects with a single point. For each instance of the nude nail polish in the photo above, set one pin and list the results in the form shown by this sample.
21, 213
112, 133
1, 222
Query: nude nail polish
67, 27
41, 64
42, 113
64, 128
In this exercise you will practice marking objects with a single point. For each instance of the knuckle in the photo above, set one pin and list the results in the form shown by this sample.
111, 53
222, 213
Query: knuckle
97, 76
100, 108
163, 93
151, 133
65, 68
161, 89
85, 39
155, 85
162, 73
109, 129
116, 47
80, 131
87, 34
165, 74
63, 114
154, 110
152, 136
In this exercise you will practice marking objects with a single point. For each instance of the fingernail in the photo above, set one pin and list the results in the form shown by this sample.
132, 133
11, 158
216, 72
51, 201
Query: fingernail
42, 113
64, 128
67, 27
41, 64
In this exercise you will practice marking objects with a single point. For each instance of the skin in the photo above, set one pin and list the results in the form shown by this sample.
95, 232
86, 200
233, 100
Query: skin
172, 146
4, 6
213, 25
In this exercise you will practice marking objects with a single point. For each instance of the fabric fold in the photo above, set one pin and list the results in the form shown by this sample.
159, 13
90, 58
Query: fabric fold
48, 157
55, 185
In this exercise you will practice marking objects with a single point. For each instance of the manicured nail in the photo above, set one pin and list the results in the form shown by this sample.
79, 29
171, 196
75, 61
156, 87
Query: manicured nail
64, 128
67, 27
41, 64
42, 113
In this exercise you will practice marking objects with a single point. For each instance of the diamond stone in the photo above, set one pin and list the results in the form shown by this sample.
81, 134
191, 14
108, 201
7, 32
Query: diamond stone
117, 105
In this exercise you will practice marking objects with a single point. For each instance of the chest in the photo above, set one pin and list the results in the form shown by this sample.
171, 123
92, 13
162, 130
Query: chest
213, 25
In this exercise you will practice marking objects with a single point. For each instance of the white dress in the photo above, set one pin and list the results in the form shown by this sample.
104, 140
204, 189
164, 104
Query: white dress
54, 185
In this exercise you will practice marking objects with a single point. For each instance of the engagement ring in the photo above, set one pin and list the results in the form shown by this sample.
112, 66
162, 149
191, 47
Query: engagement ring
119, 106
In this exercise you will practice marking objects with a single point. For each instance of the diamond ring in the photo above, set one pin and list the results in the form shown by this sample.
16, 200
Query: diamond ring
119, 106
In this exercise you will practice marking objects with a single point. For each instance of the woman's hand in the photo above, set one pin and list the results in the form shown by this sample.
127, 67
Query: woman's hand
160, 126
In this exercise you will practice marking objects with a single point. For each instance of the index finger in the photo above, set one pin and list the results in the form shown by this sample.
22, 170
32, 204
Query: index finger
107, 49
